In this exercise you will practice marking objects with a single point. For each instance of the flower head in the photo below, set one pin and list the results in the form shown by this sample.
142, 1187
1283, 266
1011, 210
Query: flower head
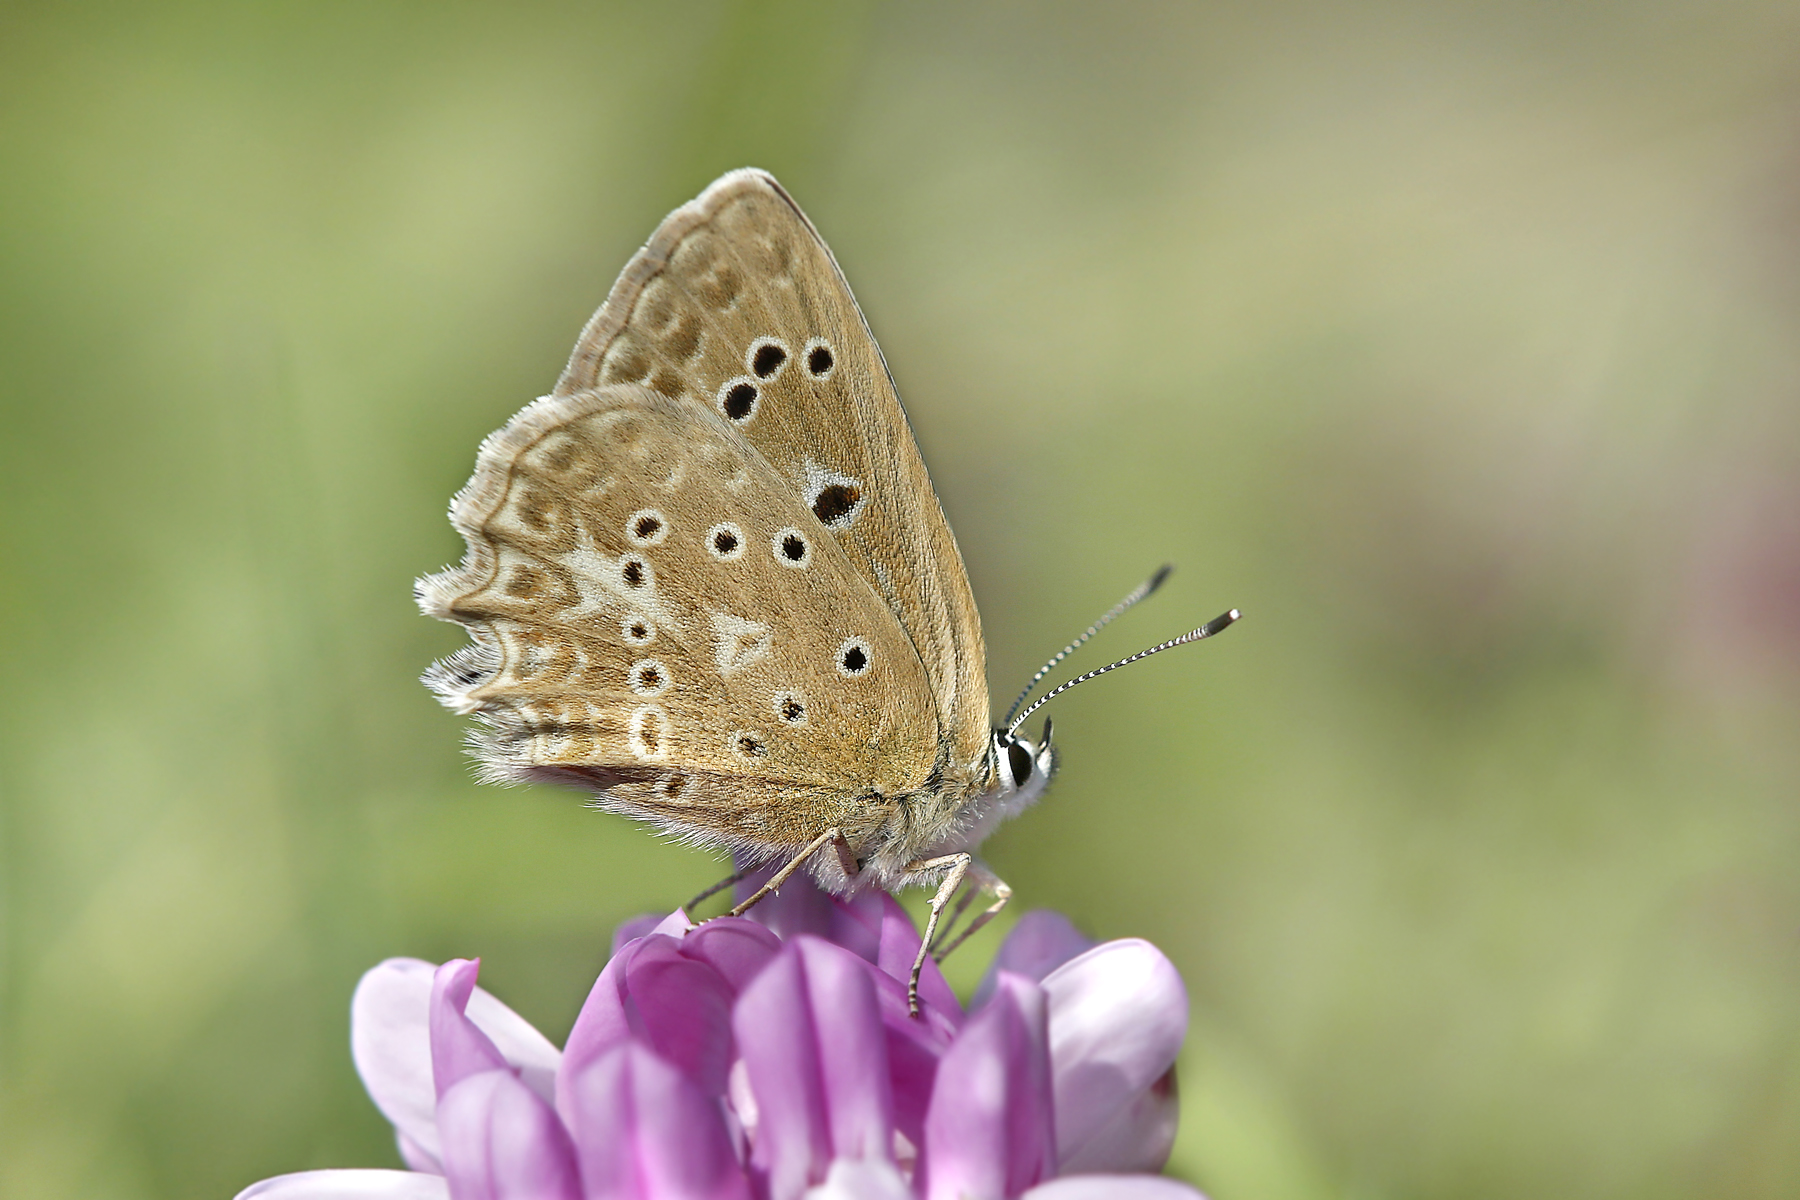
776, 1058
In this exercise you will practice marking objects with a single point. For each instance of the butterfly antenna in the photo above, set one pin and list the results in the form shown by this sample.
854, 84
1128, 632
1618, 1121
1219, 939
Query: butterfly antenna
1137, 593
1220, 622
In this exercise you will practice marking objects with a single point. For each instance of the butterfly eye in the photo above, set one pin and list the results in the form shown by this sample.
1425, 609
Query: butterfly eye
853, 658
766, 358
820, 361
725, 541
738, 399
792, 548
1019, 759
646, 527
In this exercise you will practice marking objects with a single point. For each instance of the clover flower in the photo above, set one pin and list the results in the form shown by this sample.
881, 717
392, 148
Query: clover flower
775, 1059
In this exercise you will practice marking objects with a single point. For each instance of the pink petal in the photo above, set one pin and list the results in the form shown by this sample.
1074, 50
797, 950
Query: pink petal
502, 1142
1112, 1187
644, 1131
683, 1009
735, 947
349, 1185
1137, 1139
1118, 1015
458, 1048
815, 1054
991, 1132
1041, 942
633, 929
849, 1179
390, 1043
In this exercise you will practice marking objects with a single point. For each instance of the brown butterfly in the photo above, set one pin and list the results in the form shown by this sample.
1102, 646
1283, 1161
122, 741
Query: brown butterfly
708, 579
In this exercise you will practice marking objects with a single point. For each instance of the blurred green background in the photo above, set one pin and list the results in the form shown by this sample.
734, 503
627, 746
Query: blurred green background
1454, 342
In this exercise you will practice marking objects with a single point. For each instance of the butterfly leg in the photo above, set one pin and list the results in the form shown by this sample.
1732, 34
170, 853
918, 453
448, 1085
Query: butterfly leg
846, 857
993, 885
715, 889
959, 866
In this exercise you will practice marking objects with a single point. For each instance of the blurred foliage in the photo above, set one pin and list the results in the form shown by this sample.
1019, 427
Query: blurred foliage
1455, 343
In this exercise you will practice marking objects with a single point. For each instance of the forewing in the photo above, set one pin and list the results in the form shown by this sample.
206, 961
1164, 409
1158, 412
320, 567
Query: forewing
657, 615
737, 304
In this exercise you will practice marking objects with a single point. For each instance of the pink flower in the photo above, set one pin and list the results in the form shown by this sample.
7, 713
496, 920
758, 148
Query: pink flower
774, 1059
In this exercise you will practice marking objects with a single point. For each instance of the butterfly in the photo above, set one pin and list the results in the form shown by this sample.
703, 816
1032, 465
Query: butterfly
708, 580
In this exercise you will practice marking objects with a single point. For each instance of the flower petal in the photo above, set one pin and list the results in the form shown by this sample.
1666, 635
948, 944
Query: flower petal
390, 1042
850, 1179
1041, 942
736, 947
811, 1038
683, 1009
1137, 1139
1117, 1018
991, 1132
349, 1185
502, 1142
1112, 1187
644, 1131
458, 1048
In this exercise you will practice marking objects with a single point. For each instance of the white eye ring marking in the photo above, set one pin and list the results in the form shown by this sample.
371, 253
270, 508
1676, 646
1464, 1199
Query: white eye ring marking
782, 543
818, 351
648, 677
646, 575
853, 658
790, 708
628, 629
747, 743
650, 732
771, 365
659, 527
738, 399
725, 529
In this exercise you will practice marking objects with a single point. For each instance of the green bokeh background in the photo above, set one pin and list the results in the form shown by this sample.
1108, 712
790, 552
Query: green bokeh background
1454, 342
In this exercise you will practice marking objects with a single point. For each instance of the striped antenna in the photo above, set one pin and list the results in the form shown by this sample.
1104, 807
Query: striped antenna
1218, 623
1138, 593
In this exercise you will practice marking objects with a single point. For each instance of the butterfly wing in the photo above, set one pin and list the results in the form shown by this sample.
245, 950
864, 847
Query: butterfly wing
656, 615
736, 304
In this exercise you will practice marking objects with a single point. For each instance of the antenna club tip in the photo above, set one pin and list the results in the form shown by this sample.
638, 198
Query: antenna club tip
1162, 573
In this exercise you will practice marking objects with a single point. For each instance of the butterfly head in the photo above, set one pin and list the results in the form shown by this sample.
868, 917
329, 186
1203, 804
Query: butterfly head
1022, 769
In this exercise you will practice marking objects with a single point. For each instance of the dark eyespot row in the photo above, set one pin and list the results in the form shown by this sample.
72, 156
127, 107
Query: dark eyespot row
748, 745
766, 357
791, 547
637, 630
636, 573
646, 527
835, 503
725, 542
790, 707
648, 677
738, 398
820, 359
853, 658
